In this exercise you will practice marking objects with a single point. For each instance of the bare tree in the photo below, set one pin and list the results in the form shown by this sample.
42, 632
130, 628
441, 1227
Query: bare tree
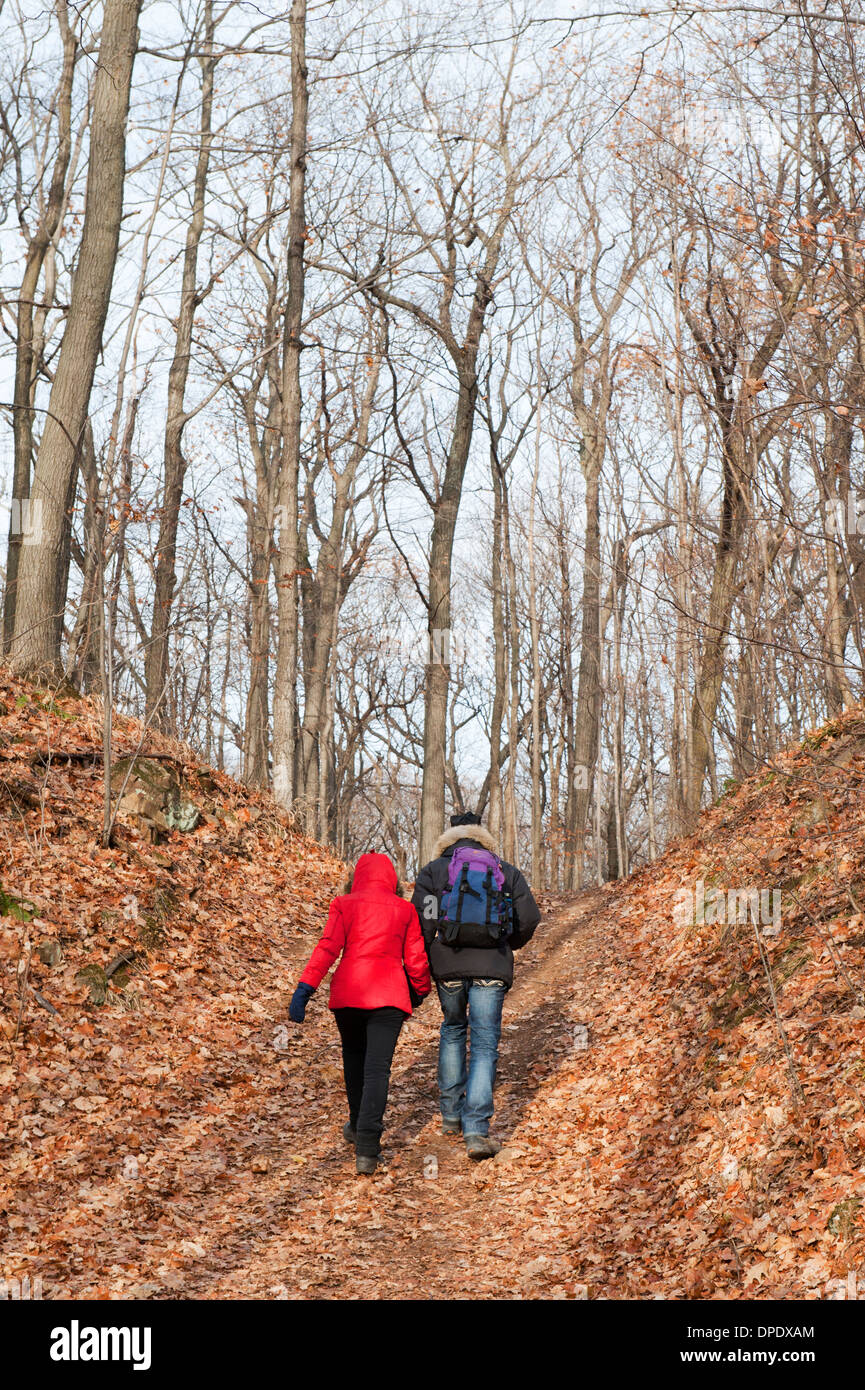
176, 415
285, 694
29, 311
43, 570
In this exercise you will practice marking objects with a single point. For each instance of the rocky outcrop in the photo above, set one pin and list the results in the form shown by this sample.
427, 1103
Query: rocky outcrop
154, 796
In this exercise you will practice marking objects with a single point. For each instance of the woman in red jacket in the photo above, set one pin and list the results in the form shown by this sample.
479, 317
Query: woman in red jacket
383, 971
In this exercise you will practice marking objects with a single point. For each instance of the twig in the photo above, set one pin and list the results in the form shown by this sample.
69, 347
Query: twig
795, 1084
22, 987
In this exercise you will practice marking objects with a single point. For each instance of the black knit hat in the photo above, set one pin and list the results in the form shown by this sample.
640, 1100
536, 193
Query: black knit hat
466, 818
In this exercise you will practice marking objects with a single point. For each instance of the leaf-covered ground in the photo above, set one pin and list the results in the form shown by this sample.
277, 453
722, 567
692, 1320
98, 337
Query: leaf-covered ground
683, 1106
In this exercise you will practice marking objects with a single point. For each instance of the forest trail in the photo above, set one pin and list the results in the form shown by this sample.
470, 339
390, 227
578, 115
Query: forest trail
431, 1224
682, 1103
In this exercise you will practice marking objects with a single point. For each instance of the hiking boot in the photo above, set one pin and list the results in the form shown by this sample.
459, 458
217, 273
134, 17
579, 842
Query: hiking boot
365, 1163
452, 1127
349, 1134
481, 1146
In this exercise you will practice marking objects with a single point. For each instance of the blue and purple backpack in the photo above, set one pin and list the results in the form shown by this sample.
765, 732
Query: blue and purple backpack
475, 909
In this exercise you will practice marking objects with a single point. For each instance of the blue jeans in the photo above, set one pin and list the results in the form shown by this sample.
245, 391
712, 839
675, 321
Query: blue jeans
467, 1096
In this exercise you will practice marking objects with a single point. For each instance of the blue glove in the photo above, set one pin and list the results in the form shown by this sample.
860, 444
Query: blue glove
299, 1001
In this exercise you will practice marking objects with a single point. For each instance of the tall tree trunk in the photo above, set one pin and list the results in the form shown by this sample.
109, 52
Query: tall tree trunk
650, 783
323, 615
445, 510
439, 620
43, 570
86, 668
285, 693
324, 593
534, 637
743, 761
26, 365
510, 839
571, 845
735, 512
742, 445
617, 682
839, 692
255, 752
838, 452
613, 864
174, 461
587, 720
494, 819
556, 758
264, 446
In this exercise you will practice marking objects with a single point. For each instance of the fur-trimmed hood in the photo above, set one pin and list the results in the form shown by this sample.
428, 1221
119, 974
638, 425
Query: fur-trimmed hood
478, 833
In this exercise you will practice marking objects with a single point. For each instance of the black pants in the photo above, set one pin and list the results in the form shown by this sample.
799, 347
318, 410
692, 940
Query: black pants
368, 1041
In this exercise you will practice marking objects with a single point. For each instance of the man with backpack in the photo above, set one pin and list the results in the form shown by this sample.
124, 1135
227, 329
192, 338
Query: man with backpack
475, 911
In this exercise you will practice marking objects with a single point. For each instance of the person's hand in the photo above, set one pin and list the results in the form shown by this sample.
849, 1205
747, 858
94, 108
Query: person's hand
299, 1001
416, 999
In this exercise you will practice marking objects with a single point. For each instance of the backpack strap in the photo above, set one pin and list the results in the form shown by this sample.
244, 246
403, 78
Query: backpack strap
488, 884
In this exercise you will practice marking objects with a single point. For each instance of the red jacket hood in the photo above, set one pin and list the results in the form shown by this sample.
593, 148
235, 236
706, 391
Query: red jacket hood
376, 935
374, 872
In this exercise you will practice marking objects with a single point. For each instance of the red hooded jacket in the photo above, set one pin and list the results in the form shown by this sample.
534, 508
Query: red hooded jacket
378, 934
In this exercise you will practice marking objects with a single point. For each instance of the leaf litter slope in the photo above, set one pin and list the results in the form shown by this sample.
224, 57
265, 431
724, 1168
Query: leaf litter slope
674, 1125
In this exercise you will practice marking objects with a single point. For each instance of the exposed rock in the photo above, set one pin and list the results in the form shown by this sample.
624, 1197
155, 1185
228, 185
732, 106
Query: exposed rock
814, 813
94, 977
843, 1216
20, 908
155, 797
50, 952
120, 963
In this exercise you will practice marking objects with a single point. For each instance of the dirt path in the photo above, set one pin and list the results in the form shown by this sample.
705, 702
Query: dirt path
244, 1187
178, 1139
420, 1228
227, 1177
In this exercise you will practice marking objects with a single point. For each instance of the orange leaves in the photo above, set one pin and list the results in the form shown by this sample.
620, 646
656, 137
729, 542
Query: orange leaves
127, 1090
666, 1159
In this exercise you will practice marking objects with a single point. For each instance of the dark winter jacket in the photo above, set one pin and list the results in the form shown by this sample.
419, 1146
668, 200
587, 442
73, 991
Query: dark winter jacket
471, 962
377, 934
